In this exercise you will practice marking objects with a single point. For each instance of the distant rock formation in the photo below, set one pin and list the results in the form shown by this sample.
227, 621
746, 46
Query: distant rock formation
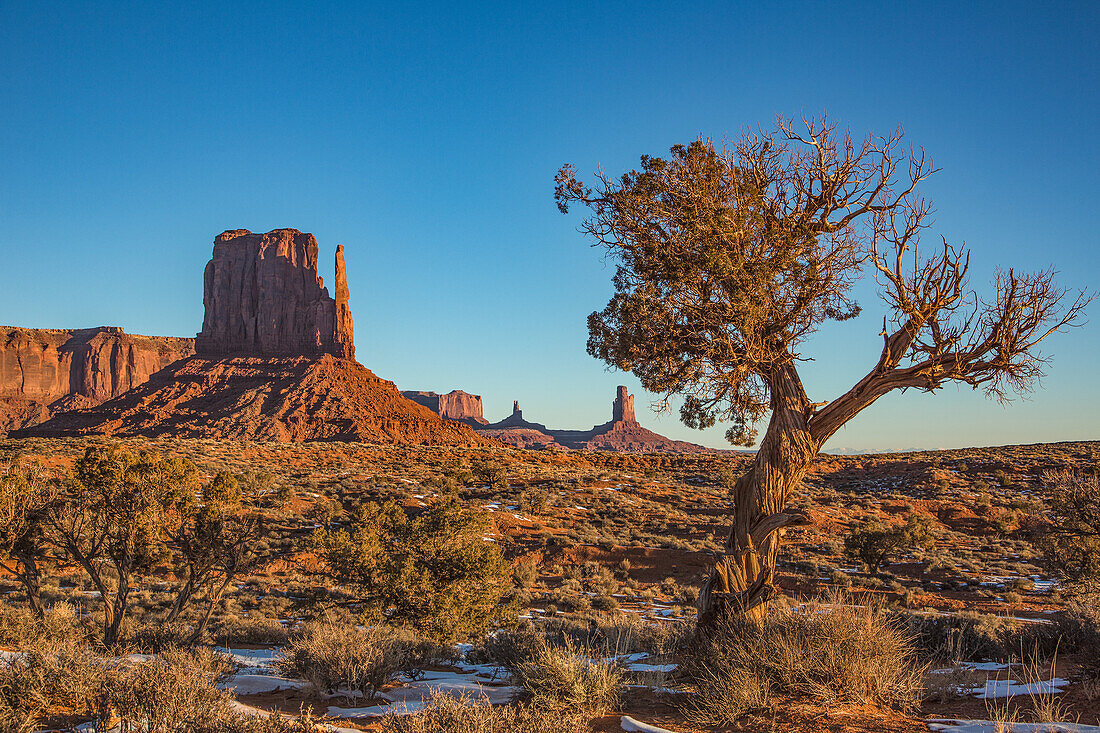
623, 433
275, 362
515, 421
263, 298
46, 371
292, 399
622, 409
455, 405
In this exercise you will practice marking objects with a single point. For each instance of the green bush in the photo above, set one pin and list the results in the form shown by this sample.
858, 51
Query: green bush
874, 543
434, 572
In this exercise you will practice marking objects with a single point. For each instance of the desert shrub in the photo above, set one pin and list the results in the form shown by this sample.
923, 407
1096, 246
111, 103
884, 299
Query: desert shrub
508, 648
535, 500
20, 627
833, 654
48, 673
565, 678
1071, 539
493, 473
172, 692
335, 657
434, 572
230, 630
963, 637
874, 543
444, 713
154, 637
1078, 630
525, 572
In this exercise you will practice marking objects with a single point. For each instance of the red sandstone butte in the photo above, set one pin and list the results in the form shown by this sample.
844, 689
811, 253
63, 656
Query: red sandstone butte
263, 298
46, 371
286, 399
275, 362
455, 405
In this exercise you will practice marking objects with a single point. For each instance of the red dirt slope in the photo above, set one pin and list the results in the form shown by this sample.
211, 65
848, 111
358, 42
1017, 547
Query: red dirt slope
290, 399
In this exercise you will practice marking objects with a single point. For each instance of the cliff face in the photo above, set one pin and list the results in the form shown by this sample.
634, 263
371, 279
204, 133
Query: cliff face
263, 298
455, 405
44, 371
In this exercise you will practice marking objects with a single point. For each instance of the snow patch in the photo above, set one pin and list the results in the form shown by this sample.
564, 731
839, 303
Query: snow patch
629, 724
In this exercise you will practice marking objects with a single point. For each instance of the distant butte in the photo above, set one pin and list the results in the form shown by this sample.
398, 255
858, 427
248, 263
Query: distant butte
623, 433
275, 361
455, 405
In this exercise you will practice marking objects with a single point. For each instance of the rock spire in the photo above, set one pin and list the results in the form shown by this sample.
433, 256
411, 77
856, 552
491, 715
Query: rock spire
622, 409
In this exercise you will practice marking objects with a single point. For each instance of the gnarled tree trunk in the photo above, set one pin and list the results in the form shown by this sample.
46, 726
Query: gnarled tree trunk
742, 582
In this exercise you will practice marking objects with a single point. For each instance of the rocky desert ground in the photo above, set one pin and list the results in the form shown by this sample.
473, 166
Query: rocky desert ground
605, 553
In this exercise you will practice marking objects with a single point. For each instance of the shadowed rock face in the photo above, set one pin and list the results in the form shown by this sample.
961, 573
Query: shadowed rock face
263, 298
45, 371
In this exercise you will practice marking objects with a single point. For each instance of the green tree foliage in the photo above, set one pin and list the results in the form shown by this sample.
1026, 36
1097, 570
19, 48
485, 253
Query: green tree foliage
213, 544
119, 515
434, 572
875, 543
25, 500
493, 473
1071, 538
113, 517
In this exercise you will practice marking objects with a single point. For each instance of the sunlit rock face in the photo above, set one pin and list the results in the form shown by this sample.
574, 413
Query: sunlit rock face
44, 371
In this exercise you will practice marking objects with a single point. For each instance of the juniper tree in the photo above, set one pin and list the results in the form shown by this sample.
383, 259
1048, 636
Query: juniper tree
25, 500
112, 519
730, 258
435, 571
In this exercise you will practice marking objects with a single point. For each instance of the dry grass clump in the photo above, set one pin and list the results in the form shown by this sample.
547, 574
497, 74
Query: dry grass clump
231, 630
335, 657
174, 692
565, 678
444, 713
834, 654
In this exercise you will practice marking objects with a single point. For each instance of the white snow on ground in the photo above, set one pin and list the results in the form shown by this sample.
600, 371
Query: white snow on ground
255, 684
944, 725
629, 724
1010, 688
410, 697
640, 667
251, 658
974, 667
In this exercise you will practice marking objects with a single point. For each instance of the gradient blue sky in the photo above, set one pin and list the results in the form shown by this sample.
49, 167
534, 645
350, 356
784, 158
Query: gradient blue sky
425, 137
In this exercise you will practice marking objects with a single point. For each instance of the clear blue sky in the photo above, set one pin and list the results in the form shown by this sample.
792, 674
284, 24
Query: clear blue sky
425, 137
